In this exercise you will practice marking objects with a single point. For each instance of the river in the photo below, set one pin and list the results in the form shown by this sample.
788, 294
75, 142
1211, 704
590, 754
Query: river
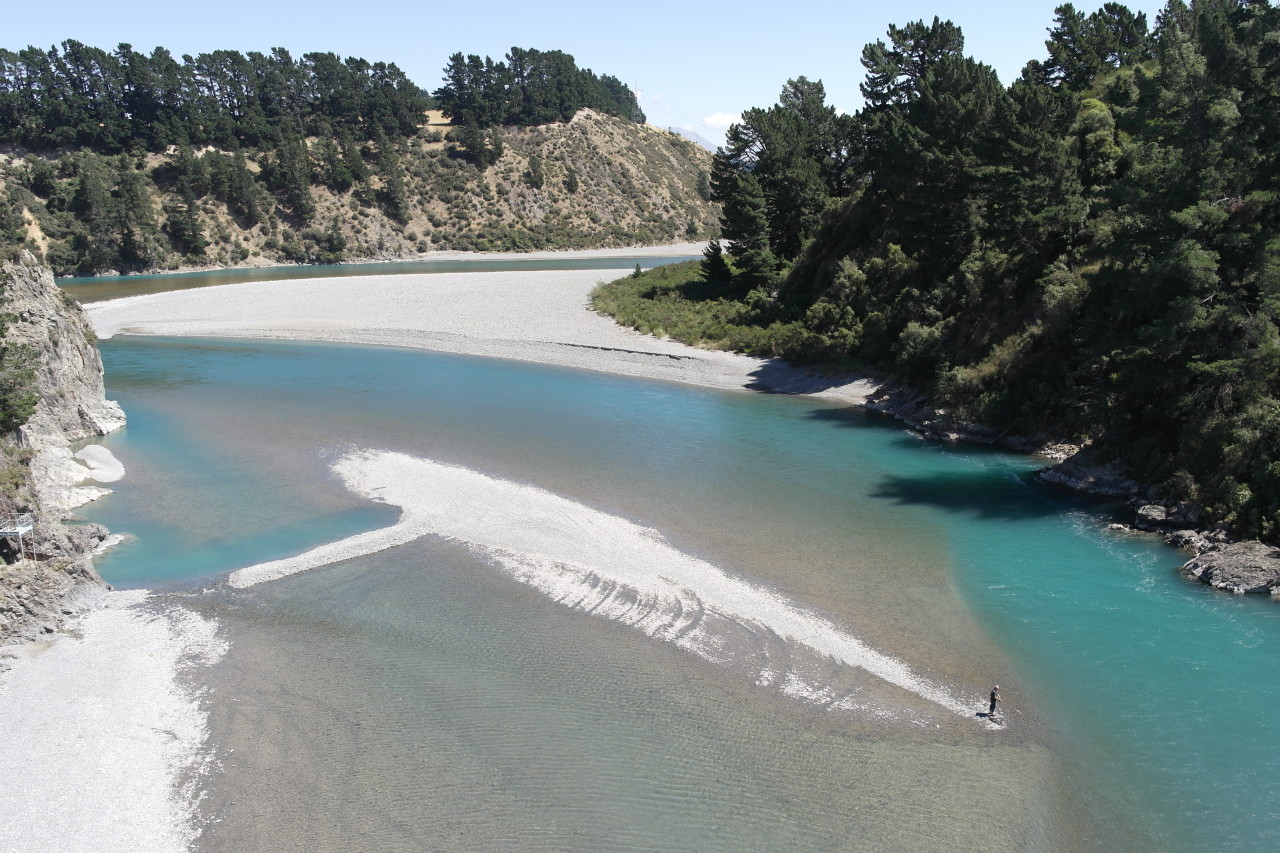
425, 698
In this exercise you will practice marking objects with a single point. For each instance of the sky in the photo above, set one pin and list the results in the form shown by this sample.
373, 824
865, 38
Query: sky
696, 66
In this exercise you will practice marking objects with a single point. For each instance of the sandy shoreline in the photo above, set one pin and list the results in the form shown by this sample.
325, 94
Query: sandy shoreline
538, 316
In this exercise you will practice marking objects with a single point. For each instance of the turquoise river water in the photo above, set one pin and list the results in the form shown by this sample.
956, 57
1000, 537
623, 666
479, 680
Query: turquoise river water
418, 699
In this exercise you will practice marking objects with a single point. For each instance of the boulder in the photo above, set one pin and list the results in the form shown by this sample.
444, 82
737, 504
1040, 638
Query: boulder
1151, 517
1082, 473
1239, 567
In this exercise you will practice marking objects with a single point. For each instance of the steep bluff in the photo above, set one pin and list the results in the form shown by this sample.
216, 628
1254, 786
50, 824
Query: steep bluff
39, 475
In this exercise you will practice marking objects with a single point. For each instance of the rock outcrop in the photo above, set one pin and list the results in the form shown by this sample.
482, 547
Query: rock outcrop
1082, 473
72, 403
53, 577
913, 409
1238, 567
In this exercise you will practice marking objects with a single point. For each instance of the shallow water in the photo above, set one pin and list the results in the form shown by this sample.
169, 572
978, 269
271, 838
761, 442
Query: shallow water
416, 701
420, 699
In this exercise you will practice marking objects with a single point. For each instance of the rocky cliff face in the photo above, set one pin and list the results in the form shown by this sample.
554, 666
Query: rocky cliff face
69, 374
54, 579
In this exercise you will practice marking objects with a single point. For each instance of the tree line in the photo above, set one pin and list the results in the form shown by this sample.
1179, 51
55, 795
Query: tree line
252, 133
531, 87
125, 100
1092, 251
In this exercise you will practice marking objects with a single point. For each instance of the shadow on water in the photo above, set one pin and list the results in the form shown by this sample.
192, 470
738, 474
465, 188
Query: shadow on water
859, 417
1002, 495
854, 417
999, 490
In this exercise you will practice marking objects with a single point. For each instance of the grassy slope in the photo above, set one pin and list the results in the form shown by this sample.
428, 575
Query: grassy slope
674, 301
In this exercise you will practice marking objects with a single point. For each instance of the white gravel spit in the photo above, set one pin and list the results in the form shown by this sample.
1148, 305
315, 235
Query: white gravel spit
612, 568
539, 316
101, 737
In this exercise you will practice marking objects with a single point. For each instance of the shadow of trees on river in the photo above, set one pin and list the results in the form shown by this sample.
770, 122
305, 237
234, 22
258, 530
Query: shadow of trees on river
988, 494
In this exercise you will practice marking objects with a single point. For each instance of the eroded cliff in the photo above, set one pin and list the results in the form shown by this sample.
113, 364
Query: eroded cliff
51, 577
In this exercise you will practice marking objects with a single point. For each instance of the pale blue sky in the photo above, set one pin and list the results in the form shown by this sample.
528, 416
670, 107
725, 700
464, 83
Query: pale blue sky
694, 63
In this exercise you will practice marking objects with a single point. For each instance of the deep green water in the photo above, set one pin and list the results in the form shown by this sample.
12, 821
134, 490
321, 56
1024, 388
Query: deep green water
99, 288
416, 699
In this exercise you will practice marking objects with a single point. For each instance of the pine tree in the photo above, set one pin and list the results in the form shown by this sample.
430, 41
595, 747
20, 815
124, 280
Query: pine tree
394, 195
242, 194
184, 165
797, 155
92, 238
535, 176
351, 157
714, 267
483, 148
183, 222
745, 224
133, 218
332, 166
494, 146
290, 176
333, 243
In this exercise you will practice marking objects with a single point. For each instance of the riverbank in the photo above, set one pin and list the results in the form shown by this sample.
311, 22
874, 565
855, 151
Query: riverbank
1217, 559
99, 730
537, 316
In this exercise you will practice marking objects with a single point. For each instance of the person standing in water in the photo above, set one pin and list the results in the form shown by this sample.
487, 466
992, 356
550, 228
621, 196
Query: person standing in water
995, 700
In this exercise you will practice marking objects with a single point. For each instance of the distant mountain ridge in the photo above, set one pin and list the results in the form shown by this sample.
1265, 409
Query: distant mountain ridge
693, 137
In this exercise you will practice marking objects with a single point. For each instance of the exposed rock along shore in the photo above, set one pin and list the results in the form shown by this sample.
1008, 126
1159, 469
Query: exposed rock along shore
55, 581
1220, 562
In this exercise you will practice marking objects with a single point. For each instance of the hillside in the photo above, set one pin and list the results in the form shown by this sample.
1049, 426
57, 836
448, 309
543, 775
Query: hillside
595, 181
1091, 253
